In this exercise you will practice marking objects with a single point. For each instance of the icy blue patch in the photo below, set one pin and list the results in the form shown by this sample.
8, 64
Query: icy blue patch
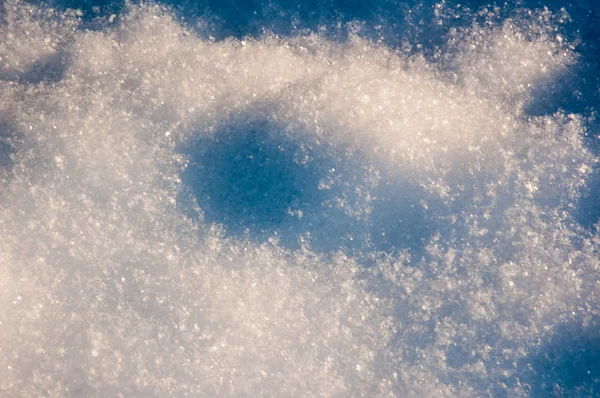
256, 181
250, 179
569, 364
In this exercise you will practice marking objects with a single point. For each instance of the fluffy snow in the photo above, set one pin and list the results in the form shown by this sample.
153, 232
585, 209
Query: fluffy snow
292, 215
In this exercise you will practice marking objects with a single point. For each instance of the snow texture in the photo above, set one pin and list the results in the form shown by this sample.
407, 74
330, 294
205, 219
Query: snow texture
336, 210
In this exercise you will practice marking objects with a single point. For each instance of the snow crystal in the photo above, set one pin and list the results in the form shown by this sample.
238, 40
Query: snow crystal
293, 215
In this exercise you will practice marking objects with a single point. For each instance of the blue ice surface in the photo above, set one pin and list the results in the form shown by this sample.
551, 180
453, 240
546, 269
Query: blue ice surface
245, 163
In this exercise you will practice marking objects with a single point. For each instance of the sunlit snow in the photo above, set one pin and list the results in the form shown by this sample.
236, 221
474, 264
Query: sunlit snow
185, 212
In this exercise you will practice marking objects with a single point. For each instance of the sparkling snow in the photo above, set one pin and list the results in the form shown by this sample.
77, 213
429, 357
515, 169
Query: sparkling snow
294, 215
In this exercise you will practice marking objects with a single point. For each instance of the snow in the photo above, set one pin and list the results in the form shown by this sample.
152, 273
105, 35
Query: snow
293, 215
